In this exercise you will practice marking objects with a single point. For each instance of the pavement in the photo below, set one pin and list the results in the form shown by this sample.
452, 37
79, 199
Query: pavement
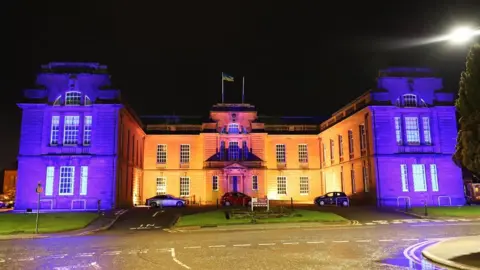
457, 253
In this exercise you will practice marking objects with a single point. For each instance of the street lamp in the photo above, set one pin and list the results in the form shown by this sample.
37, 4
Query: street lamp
463, 35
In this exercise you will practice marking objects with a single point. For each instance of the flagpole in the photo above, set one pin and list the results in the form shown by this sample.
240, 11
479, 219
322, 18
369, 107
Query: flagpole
222, 89
243, 90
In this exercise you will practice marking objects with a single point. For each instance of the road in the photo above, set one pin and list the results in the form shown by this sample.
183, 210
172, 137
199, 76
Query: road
378, 246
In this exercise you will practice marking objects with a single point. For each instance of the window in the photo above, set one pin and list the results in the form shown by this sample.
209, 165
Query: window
398, 130
409, 100
365, 176
419, 180
84, 180
162, 154
254, 182
54, 130
280, 150
49, 181
87, 130
87, 101
341, 178
161, 185
411, 127
302, 153
184, 153
67, 179
332, 148
184, 186
434, 177
233, 151
324, 154
427, 137
222, 150
404, 175
340, 147
281, 185
245, 150
352, 177
73, 98
350, 144
70, 131
215, 182
363, 137
304, 185
233, 129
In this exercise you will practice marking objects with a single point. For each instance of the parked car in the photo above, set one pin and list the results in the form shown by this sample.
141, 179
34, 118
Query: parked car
165, 201
235, 199
6, 203
333, 198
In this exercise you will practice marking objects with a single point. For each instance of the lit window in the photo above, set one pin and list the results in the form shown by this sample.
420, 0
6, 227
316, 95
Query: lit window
304, 185
233, 129
340, 146
233, 151
70, 131
49, 181
324, 153
84, 180
254, 182
73, 98
409, 100
352, 177
398, 130
222, 150
365, 177
404, 177
419, 180
363, 137
341, 178
245, 150
87, 130
281, 185
67, 179
161, 185
55, 130
350, 144
161, 154
184, 153
215, 183
302, 153
411, 128
280, 153
434, 177
427, 137
184, 186
332, 147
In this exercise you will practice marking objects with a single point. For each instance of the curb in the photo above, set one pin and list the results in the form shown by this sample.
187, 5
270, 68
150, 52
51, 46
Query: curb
446, 262
105, 227
414, 215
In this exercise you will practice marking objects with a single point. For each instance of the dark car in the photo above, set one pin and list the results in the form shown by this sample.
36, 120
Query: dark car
333, 198
165, 200
235, 199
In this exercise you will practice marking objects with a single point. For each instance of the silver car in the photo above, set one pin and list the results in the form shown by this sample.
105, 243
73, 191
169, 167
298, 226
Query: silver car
165, 200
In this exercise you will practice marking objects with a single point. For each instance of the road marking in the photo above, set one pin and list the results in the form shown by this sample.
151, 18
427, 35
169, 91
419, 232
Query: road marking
26, 259
217, 246
243, 245
369, 223
193, 247
342, 241
267, 244
385, 240
172, 253
316, 242
291, 243
410, 239
158, 212
85, 254
363, 241
111, 253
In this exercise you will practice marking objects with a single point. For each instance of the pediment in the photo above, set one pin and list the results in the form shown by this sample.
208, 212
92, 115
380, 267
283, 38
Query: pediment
235, 166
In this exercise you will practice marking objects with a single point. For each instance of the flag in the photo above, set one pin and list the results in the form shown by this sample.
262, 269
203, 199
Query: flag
227, 77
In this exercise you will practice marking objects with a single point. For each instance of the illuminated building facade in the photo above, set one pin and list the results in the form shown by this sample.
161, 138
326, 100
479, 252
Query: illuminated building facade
83, 145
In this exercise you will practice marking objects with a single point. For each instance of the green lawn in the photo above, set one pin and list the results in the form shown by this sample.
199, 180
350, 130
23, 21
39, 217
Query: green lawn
463, 211
11, 223
218, 218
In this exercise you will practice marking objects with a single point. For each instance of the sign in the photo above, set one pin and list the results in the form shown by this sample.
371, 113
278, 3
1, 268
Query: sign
39, 188
260, 202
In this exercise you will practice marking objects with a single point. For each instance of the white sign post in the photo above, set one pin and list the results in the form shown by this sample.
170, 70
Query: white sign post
39, 191
260, 202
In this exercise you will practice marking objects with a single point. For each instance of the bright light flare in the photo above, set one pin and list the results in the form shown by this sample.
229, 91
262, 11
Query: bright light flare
462, 35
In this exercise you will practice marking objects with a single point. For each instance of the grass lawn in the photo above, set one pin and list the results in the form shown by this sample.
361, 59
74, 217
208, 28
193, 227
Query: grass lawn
17, 223
218, 218
463, 211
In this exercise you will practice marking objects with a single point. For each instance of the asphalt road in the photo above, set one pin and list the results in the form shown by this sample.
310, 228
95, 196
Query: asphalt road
350, 247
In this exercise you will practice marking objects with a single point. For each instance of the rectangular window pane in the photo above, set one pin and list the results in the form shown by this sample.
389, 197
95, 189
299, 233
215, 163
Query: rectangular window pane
184, 153
304, 185
332, 148
55, 129
434, 177
363, 137
281, 185
411, 128
161, 154
340, 146
365, 177
404, 176
87, 130
254, 182
352, 178
427, 137
84, 180
49, 181
70, 131
233, 151
398, 130
215, 182
350, 144
302, 153
280, 153
184, 186
419, 180
161, 185
67, 180
324, 153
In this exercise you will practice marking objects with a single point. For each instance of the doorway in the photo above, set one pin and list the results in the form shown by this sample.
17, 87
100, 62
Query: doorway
234, 183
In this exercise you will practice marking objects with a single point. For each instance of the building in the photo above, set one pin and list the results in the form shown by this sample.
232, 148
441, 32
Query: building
86, 145
9, 182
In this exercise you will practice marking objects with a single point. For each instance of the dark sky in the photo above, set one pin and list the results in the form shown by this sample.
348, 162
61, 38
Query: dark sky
167, 58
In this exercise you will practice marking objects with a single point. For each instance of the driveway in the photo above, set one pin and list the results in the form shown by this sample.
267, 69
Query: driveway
362, 213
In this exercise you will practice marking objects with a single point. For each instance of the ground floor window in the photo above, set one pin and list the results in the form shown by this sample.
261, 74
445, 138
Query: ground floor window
254, 182
215, 182
419, 180
49, 181
352, 177
365, 176
184, 186
84, 180
67, 180
434, 177
161, 186
404, 176
304, 185
281, 185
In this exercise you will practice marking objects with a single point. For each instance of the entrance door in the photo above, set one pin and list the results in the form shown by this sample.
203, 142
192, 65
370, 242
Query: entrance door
235, 183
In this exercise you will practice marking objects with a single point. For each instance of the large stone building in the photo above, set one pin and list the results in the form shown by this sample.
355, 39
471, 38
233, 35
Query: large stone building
83, 145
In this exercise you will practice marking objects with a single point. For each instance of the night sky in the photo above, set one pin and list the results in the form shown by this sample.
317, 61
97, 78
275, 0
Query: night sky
168, 58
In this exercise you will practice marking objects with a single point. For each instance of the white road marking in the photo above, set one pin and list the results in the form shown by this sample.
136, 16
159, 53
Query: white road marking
133, 228
291, 243
26, 259
369, 223
385, 240
112, 253
193, 247
342, 241
58, 256
217, 246
90, 254
316, 242
267, 244
156, 213
243, 245
2, 260
411, 239
363, 241
172, 252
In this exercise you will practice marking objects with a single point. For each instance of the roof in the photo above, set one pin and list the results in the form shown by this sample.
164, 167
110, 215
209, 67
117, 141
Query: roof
174, 119
291, 120
74, 67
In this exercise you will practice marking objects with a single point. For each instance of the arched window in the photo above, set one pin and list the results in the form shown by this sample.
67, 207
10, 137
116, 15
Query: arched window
73, 98
87, 101
233, 128
57, 101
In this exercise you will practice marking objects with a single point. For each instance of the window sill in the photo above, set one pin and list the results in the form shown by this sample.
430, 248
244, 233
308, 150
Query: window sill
184, 165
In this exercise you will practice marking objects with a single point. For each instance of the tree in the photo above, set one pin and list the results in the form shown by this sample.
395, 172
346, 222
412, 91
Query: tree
467, 152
